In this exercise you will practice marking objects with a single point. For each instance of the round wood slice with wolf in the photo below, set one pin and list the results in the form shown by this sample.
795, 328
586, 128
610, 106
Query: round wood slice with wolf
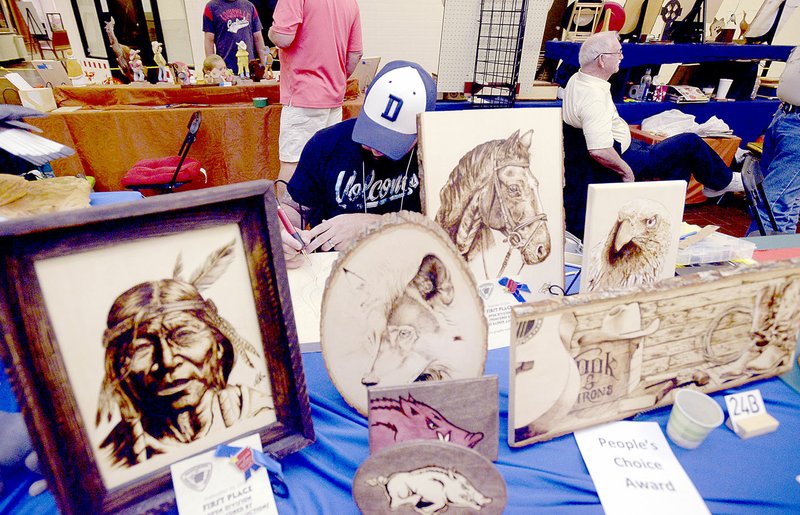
429, 478
400, 306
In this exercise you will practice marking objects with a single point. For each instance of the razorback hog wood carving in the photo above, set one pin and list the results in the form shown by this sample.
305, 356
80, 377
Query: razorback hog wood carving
587, 359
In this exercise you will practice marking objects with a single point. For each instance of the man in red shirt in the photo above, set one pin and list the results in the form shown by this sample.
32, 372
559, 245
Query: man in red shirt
320, 46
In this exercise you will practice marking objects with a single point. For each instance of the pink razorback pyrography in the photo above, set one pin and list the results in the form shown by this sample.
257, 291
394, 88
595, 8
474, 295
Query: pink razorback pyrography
404, 419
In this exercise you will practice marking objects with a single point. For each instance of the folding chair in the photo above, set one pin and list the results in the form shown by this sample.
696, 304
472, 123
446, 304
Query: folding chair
157, 174
752, 178
584, 15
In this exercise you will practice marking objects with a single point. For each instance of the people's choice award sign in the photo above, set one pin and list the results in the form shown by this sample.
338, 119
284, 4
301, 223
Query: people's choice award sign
209, 484
635, 471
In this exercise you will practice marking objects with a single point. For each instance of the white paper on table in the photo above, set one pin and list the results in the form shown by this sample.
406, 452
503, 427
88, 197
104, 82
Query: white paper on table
207, 485
306, 285
497, 304
635, 471
17, 81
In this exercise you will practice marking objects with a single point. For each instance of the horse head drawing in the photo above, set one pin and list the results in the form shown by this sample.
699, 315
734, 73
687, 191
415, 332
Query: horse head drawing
493, 187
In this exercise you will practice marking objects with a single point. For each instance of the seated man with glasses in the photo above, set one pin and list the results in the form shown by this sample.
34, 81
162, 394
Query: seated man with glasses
598, 146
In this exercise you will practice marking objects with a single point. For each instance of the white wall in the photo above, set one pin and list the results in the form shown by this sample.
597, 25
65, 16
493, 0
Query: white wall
194, 18
392, 29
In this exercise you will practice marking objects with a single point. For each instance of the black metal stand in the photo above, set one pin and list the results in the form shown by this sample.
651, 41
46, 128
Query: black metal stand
498, 54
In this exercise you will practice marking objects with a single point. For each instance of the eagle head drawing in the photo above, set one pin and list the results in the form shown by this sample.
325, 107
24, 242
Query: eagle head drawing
633, 252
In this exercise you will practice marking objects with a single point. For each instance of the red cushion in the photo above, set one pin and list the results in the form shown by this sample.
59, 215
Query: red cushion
160, 171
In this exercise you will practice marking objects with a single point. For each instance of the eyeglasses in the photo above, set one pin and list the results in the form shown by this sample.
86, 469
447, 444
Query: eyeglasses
618, 53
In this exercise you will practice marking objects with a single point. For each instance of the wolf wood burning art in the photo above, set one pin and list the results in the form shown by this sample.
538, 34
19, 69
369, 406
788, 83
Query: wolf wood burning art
493, 180
414, 317
463, 412
429, 478
145, 333
604, 356
632, 232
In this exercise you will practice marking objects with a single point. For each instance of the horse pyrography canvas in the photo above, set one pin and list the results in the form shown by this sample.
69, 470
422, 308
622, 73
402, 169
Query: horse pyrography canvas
493, 180
632, 232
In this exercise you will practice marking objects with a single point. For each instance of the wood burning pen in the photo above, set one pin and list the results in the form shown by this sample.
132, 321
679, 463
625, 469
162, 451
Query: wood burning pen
287, 224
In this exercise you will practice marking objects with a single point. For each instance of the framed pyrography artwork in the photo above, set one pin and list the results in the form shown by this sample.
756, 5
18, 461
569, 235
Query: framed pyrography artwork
55, 22
400, 307
463, 412
632, 232
140, 334
493, 179
602, 356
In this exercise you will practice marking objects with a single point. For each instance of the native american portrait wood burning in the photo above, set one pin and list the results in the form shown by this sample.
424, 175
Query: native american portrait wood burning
416, 317
492, 179
429, 478
179, 364
169, 355
146, 333
604, 356
632, 232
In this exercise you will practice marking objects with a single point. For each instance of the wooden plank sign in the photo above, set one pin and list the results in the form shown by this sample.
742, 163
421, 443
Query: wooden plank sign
579, 361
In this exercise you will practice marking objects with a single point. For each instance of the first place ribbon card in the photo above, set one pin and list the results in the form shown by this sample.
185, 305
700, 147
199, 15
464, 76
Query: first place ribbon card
209, 484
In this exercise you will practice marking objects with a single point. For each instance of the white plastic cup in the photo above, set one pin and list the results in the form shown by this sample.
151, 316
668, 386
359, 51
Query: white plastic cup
694, 415
722, 89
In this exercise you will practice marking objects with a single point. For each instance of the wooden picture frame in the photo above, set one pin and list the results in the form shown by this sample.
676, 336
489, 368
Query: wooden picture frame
55, 22
603, 356
73, 361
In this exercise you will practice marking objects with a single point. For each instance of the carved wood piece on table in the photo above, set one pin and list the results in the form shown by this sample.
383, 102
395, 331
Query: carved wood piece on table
593, 358
429, 478
463, 412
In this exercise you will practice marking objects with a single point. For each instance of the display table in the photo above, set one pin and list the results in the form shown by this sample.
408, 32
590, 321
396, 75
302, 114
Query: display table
235, 143
724, 147
732, 475
164, 94
639, 54
119, 125
747, 118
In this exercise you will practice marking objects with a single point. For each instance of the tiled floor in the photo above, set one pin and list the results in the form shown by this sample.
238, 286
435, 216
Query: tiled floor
730, 214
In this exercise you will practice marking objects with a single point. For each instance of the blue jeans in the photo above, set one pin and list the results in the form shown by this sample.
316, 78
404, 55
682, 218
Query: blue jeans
677, 158
780, 164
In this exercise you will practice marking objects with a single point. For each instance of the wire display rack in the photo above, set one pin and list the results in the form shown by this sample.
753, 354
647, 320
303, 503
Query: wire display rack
498, 54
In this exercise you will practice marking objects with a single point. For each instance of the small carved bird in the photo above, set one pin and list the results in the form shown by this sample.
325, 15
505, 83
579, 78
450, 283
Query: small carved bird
634, 250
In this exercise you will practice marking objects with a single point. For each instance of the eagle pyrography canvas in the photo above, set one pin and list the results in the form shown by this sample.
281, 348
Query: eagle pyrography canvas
632, 233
